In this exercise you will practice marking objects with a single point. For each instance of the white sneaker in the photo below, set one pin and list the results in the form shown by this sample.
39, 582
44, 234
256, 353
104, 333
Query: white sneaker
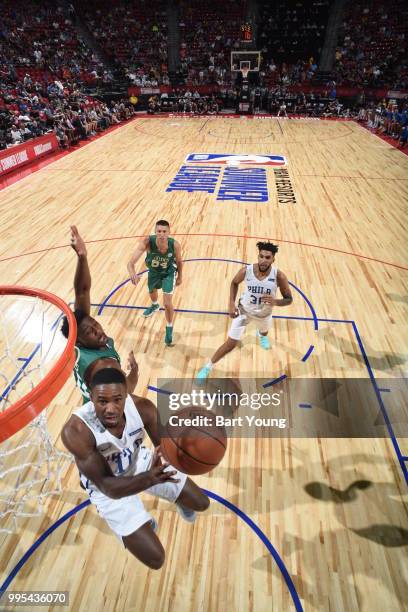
187, 514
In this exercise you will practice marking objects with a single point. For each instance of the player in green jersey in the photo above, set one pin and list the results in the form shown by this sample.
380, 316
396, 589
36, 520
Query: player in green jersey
94, 350
164, 263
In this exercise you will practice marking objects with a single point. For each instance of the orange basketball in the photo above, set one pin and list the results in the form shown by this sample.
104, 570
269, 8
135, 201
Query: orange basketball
192, 442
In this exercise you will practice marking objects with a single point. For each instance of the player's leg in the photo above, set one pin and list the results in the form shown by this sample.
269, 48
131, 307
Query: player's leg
131, 523
234, 336
191, 500
193, 497
145, 546
187, 496
264, 326
153, 284
168, 285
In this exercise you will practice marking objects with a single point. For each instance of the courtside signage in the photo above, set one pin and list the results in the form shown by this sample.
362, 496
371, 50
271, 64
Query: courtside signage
243, 177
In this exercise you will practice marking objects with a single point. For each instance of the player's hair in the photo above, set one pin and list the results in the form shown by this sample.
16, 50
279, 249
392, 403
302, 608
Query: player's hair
79, 317
163, 222
267, 246
108, 376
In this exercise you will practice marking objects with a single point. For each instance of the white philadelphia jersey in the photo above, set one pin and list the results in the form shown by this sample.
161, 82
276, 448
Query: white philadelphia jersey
121, 454
250, 300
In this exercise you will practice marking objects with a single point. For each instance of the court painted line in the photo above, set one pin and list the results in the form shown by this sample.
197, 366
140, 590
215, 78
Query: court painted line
216, 312
26, 172
195, 259
285, 574
304, 405
279, 240
217, 259
365, 178
275, 381
395, 443
266, 541
157, 390
385, 139
308, 353
309, 303
381, 404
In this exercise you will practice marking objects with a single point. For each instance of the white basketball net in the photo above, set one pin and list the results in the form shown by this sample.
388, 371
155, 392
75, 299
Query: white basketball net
30, 465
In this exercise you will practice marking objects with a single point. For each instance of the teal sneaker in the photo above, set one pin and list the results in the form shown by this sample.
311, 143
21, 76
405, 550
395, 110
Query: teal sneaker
264, 341
169, 336
187, 514
203, 373
151, 310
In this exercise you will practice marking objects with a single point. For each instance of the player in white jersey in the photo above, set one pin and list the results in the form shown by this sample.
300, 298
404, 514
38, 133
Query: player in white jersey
105, 436
261, 283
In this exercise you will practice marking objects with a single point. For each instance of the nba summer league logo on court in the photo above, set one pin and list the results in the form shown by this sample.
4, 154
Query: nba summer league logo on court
201, 173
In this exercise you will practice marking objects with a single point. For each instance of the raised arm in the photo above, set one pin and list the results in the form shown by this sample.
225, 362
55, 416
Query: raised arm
140, 249
179, 262
133, 373
236, 281
82, 279
79, 440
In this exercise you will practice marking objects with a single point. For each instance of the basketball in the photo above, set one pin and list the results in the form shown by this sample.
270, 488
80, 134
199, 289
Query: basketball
192, 442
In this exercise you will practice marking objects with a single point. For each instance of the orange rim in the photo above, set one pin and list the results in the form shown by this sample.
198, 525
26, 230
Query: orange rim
28, 407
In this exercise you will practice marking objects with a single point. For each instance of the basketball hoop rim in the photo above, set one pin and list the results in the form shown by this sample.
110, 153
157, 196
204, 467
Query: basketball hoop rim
28, 407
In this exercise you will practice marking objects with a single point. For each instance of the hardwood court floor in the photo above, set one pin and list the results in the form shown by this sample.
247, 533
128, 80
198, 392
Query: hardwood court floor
334, 509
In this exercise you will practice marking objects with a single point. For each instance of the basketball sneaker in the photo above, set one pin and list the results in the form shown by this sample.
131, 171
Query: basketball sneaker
150, 310
263, 341
168, 340
203, 373
187, 514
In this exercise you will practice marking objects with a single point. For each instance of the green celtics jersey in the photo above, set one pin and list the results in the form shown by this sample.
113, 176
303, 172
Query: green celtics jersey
84, 358
162, 263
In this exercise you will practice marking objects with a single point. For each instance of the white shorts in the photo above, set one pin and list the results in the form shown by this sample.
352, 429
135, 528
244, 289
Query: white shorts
127, 514
241, 321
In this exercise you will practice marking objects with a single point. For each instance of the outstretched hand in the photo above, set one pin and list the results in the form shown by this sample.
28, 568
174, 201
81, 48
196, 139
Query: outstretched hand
135, 278
132, 363
233, 311
157, 470
77, 242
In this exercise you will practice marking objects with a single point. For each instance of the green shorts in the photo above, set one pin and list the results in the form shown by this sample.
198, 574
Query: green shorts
158, 281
